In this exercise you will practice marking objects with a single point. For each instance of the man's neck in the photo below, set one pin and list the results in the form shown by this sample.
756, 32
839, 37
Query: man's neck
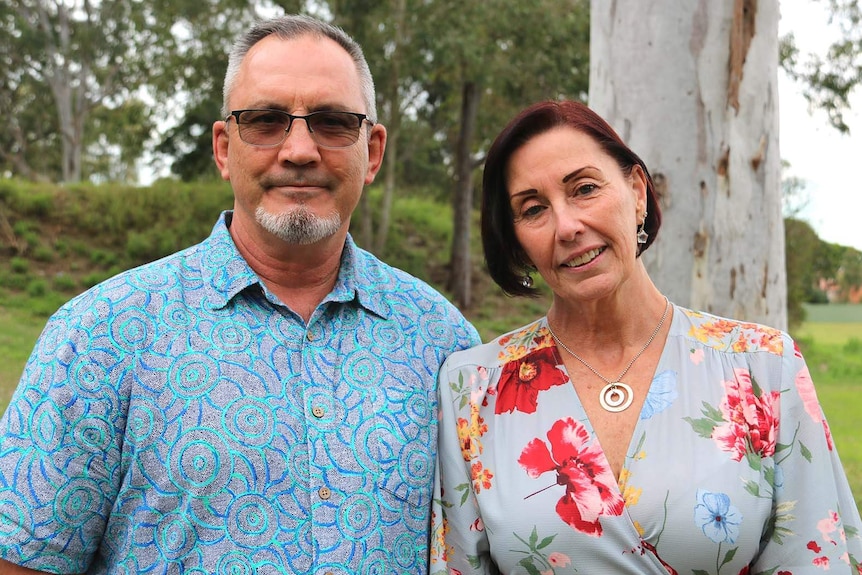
301, 276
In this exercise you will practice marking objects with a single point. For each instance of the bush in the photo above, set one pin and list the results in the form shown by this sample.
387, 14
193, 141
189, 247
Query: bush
43, 254
19, 266
64, 283
16, 282
37, 288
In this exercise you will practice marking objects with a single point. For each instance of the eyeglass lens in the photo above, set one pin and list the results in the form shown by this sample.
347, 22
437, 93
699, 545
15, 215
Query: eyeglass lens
270, 127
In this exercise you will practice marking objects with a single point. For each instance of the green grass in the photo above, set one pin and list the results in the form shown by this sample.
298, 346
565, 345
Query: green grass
831, 341
19, 329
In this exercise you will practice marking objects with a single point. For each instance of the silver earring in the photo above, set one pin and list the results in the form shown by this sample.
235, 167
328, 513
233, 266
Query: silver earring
643, 236
527, 281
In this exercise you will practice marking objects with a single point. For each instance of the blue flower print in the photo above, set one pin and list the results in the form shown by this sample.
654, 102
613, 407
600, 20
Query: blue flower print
718, 519
662, 394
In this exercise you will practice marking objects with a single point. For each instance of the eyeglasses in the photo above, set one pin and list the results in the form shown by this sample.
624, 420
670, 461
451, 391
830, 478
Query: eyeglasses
269, 128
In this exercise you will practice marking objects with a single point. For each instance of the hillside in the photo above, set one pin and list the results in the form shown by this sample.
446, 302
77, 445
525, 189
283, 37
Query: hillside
57, 241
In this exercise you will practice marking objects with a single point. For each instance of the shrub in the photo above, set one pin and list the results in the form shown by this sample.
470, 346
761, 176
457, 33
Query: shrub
19, 265
37, 288
64, 283
43, 254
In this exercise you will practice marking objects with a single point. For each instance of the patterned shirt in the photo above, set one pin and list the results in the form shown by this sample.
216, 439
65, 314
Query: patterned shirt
178, 419
731, 469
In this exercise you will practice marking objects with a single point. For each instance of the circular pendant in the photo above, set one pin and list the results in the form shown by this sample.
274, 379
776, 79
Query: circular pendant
616, 396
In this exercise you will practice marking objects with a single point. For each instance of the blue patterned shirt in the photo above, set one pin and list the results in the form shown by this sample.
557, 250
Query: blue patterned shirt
178, 418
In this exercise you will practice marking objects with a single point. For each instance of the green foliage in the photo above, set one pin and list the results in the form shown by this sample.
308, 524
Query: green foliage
800, 244
64, 283
19, 265
829, 81
37, 288
101, 230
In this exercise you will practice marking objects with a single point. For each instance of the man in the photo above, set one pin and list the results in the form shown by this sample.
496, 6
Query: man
263, 402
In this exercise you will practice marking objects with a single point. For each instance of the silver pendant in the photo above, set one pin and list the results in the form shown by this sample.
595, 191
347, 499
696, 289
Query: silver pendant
616, 396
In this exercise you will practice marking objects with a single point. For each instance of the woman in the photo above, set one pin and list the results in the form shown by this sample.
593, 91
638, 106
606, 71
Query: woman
622, 433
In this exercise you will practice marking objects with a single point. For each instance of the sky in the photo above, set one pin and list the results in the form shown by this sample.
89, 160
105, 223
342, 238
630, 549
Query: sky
818, 154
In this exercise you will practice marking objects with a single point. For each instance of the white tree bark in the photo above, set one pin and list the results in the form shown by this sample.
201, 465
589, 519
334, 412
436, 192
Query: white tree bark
691, 87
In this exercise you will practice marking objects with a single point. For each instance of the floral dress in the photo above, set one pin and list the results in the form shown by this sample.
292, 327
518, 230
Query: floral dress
731, 468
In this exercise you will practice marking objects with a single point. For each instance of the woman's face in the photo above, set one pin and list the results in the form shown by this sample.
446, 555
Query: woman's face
575, 213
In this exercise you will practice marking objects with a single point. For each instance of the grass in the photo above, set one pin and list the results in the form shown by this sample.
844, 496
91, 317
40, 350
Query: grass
831, 341
19, 329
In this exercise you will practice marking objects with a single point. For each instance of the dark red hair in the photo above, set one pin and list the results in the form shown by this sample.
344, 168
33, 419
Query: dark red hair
504, 256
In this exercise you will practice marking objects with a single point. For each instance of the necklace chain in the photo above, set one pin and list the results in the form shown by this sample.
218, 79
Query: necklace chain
634, 359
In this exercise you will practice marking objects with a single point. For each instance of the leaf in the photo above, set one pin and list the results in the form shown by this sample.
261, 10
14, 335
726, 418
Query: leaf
754, 460
712, 412
527, 563
728, 557
805, 452
546, 541
753, 487
703, 427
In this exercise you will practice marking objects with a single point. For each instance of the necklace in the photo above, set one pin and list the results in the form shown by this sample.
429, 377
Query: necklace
616, 395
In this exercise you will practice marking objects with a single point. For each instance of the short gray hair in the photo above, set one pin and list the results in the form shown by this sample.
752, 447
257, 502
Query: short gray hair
288, 28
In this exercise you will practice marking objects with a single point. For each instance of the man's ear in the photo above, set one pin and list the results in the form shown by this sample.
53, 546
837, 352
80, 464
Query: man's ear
221, 139
376, 150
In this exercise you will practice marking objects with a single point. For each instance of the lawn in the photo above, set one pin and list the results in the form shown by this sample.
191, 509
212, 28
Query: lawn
19, 329
831, 340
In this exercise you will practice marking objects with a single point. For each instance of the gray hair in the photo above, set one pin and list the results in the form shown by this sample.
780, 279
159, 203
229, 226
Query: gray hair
288, 28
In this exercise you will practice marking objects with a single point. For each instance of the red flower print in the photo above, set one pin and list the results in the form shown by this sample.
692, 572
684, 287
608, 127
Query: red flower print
813, 546
581, 467
750, 420
523, 378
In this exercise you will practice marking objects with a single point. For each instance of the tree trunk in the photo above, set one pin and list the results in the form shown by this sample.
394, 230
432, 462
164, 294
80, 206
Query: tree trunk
393, 129
692, 88
462, 204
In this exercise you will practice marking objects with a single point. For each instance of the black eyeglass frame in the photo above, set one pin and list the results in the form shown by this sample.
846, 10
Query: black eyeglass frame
292, 117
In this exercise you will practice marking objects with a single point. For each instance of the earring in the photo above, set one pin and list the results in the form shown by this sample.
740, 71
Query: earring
527, 281
643, 236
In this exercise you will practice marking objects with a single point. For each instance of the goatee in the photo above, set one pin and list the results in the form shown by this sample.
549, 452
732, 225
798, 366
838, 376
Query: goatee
300, 225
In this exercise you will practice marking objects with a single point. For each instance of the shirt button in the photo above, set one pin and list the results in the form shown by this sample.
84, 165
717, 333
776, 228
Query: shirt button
324, 493
309, 336
317, 411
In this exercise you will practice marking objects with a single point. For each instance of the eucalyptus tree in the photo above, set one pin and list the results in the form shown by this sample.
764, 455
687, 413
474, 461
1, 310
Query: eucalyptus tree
692, 87
192, 58
85, 55
828, 80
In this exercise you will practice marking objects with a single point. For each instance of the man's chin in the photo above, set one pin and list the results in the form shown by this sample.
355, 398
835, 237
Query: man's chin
299, 226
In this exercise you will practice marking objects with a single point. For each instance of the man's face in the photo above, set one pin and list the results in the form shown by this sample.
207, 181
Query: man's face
307, 190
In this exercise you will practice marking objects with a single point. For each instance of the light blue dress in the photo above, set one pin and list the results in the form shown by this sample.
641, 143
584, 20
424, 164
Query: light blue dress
731, 468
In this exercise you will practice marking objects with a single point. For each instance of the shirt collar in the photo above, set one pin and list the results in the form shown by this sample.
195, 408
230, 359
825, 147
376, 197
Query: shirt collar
226, 273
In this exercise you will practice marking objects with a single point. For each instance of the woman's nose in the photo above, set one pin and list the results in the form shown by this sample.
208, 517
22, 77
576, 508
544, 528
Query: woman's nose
569, 222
